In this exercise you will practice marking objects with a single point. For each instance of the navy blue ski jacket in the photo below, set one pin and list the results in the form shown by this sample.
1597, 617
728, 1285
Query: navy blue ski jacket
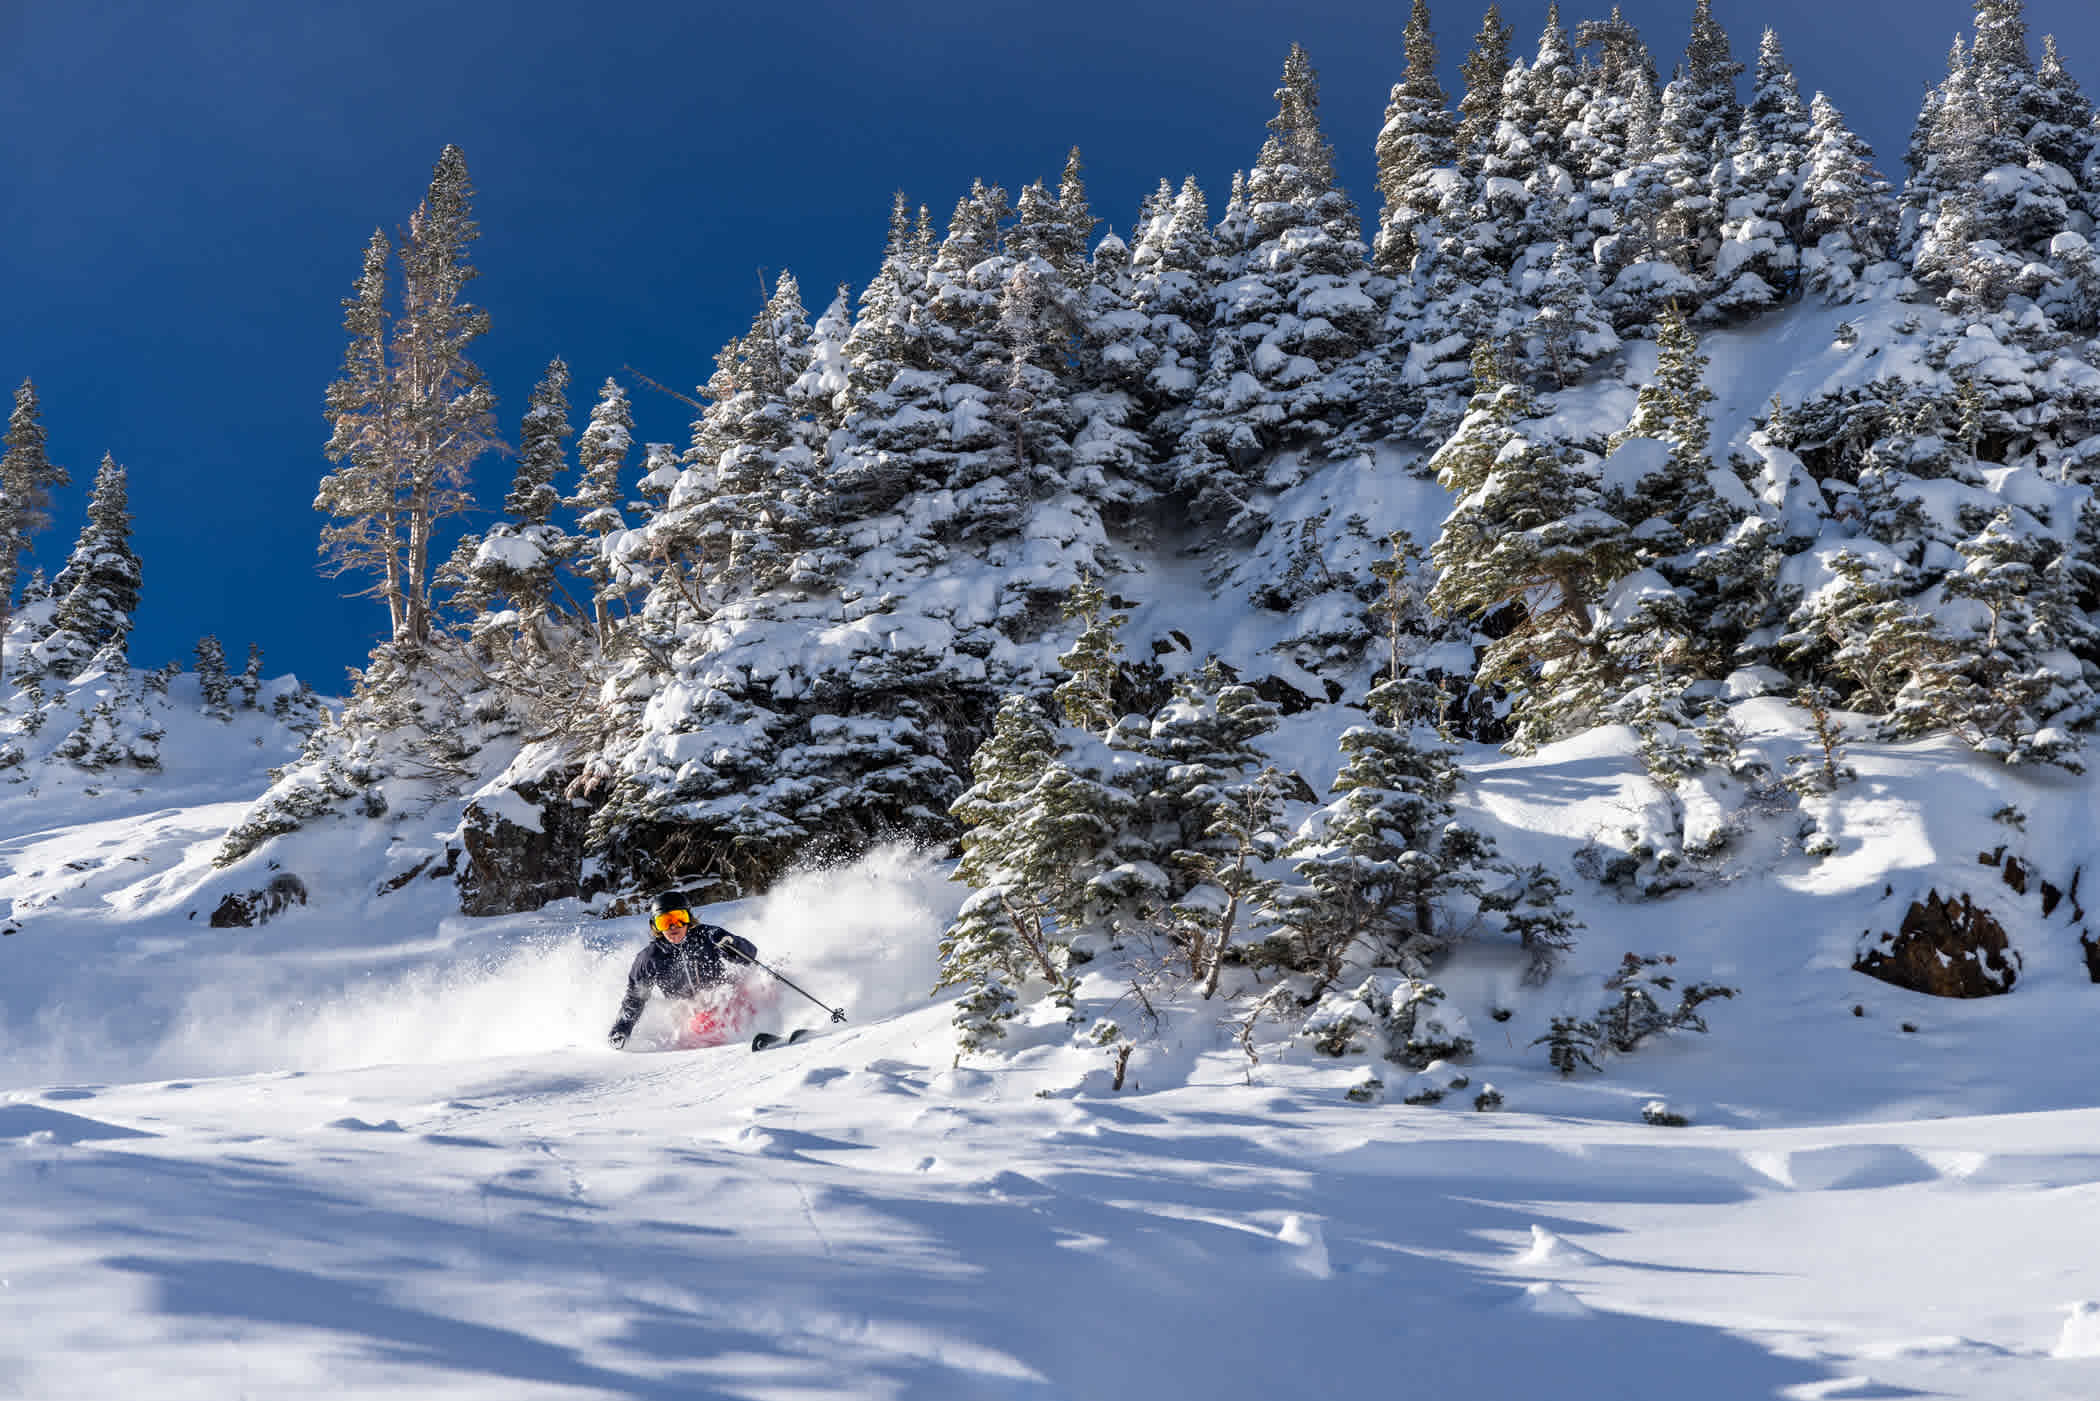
680, 970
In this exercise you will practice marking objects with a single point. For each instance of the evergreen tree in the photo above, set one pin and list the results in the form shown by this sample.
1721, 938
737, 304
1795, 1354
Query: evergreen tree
1534, 911
411, 412
98, 590
542, 450
251, 677
602, 452
1757, 187
1712, 114
1092, 667
2003, 691
760, 510
1418, 140
1528, 540
1286, 327
1237, 845
27, 477
1483, 72
1172, 288
1846, 216
1372, 864
1567, 334
2063, 134
1861, 629
1676, 507
213, 682
1618, 93
895, 401
1042, 832
519, 559
1538, 106
1205, 745
1933, 169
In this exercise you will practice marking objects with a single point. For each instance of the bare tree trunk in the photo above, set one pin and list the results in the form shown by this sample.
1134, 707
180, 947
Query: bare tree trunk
1225, 923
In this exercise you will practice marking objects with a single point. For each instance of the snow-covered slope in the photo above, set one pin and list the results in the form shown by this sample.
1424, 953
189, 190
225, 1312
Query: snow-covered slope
374, 1148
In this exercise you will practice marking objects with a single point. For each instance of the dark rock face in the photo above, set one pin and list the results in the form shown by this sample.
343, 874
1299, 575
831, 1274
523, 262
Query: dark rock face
254, 907
1944, 948
512, 868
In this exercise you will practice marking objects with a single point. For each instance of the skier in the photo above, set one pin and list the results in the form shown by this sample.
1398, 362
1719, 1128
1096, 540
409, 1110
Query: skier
687, 960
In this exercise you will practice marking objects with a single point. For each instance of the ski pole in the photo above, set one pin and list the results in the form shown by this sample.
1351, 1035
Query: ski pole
838, 1014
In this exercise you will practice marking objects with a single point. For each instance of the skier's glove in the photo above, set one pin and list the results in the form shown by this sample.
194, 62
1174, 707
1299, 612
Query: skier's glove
618, 1037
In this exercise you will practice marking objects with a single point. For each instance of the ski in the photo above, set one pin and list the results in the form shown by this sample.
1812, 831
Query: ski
766, 1040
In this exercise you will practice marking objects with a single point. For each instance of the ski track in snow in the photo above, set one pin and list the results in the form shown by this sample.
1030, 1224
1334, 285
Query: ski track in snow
739, 1226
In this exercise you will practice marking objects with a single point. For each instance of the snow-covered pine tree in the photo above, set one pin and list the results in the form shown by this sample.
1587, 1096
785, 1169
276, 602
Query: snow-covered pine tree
248, 685
98, 590
214, 683
1285, 328
1617, 91
1092, 667
1699, 127
1204, 745
27, 478
2064, 134
759, 512
1171, 287
1527, 540
1846, 215
1229, 892
519, 560
1861, 630
1673, 507
995, 945
1372, 865
1535, 913
1480, 108
411, 412
1042, 846
1642, 259
1526, 184
115, 729
2010, 688
1416, 148
895, 400
2001, 198
1931, 171
602, 455
542, 449
1567, 333
1757, 186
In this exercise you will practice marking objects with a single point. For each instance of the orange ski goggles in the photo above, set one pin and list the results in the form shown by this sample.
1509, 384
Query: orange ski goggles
669, 920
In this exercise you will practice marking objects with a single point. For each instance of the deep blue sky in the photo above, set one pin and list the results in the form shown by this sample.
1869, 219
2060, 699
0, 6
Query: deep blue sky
186, 190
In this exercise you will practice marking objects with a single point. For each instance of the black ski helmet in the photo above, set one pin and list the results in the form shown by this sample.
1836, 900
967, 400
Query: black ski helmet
670, 900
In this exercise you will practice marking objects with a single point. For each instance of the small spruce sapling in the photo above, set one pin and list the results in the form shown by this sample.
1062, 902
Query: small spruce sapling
1571, 1043
1824, 772
1533, 909
1637, 1014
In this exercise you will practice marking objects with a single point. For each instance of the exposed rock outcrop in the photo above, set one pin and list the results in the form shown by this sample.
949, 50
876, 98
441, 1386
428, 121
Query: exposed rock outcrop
524, 846
253, 907
1944, 948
